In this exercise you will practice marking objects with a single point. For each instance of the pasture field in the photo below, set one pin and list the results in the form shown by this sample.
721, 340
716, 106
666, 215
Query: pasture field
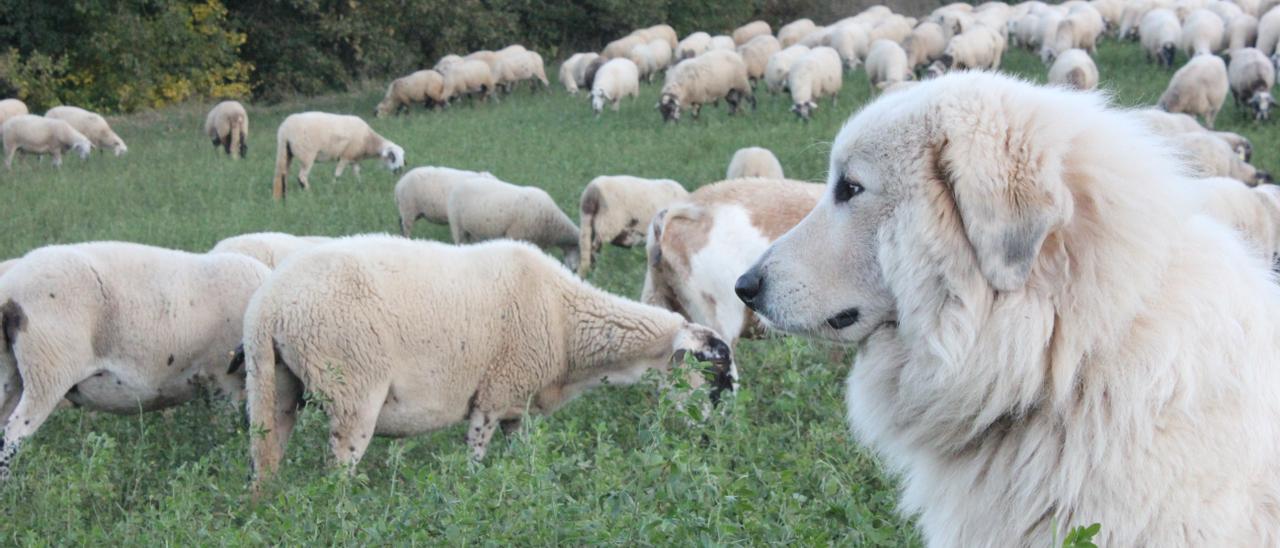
619, 466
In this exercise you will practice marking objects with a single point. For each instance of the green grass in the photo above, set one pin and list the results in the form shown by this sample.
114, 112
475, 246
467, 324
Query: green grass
618, 466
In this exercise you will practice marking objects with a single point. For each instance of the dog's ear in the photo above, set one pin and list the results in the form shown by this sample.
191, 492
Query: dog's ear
1008, 189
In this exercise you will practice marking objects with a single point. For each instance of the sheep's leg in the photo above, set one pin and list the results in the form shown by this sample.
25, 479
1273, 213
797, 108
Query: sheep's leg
351, 428
8, 156
342, 166
10, 386
480, 432
57, 156
355, 168
1208, 118
304, 174
36, 404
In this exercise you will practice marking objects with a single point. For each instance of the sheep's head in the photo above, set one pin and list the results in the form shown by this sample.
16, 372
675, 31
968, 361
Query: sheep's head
392, 157
1261, 104
1167, 52
705, 345
82, 148
598, 99
383, 109
118, 147
669, 106
803, 110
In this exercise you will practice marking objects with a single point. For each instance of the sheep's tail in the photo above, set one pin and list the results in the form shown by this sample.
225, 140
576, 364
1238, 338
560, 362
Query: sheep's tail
239, 137
1076, 78
283, 156
258, 354
586, 229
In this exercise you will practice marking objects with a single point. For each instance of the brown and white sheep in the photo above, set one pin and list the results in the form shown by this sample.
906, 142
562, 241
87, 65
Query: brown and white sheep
424, 87
227, 125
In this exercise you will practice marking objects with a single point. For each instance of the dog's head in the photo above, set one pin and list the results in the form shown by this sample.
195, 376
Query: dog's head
957, 181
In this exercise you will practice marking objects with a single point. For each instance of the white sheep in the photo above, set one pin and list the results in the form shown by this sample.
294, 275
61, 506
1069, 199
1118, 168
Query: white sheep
925, 45
1203, 33
1198, 88
617, 79
712, 76
1269, 32
754, 162
1252, 76
423, 86
91, 125
650, 58
1079, 29
312, 136
791, 33
1171, 124
663, 32
1111, 11
779, 67
693, 45
423, 193
721, 42
621, 47
1160, 33
887, 64
573, 71
978, 47
484, 56
117, 327
1254, 213
10, 108
1074, 68
269, 248
850, 40
617, 209
1226, 11
227, 125
1210, 156
816, 75
485, 208
469, 78
816, 37
447, 61
1242, 32
749, 31
895, 28
1131, 18
512, 66
492, 332
33, 134
756, 53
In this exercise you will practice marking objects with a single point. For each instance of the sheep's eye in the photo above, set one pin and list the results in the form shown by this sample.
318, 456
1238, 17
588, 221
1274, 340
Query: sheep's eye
847, 188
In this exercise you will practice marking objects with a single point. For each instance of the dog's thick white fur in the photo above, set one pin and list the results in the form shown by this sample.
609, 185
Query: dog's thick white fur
1050, 333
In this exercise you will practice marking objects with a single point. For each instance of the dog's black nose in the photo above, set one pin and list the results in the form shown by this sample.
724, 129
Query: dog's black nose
748, 287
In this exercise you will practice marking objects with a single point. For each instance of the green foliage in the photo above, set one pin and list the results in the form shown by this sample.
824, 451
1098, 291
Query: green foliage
1082, 537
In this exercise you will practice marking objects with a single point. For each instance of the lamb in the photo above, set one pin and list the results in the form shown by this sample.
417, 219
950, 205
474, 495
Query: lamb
532, 339
1251, 77
39, 135
721, 42
693, 45
617, 79
755, 162
791, 33
708, 78
1160, 33
617, 209
311, 136
117, 327
1203, 33
887, 65
268, 248
1075, 69
749, 31
484, 208
779, 67
469, 78
850, 41
1242, 32
925, 45
91, 125
756, 54
10, 108
573, 72
1169, 124
815, 75
512, 66
423, 193
1198, 88
227, 125
1209, 156
1269, 32
423, 86
1253, 212
697, 248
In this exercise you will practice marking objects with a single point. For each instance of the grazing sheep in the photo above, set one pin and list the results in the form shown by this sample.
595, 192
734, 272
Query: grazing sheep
791, 33
1198, 88
512, 66
423, 193
1253, 212
925, 45
447, 61
10, 108
1075, 69
850, 41
269, 248
710, 77
754, 162
1203, 33
1252, 76
573, 72
589, 72
887, 64
756, 54
721, 42
1226, 11
1080, 29
895, 28
979, 47
312, 136
469, 78
1159, 33
33, 134
749, 31
1242, 32
779, 67
621, 47
1269, 32
533, 338
484, 56
424, 86
1170, 124
665, 33
617, 209
697, 248
618, 78
484, 208
117, 327
1111, 11
227, 125
1131, 18
816, 37
1210, 156
650, 58
91, 125
816, 75
693, 45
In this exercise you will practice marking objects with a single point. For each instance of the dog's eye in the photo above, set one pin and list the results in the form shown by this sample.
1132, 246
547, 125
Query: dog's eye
847, 188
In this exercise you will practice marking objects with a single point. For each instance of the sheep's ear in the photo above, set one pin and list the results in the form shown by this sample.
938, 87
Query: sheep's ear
1008, 189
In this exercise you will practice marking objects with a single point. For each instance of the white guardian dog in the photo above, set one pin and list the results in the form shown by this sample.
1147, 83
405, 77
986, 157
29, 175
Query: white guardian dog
1049, 333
